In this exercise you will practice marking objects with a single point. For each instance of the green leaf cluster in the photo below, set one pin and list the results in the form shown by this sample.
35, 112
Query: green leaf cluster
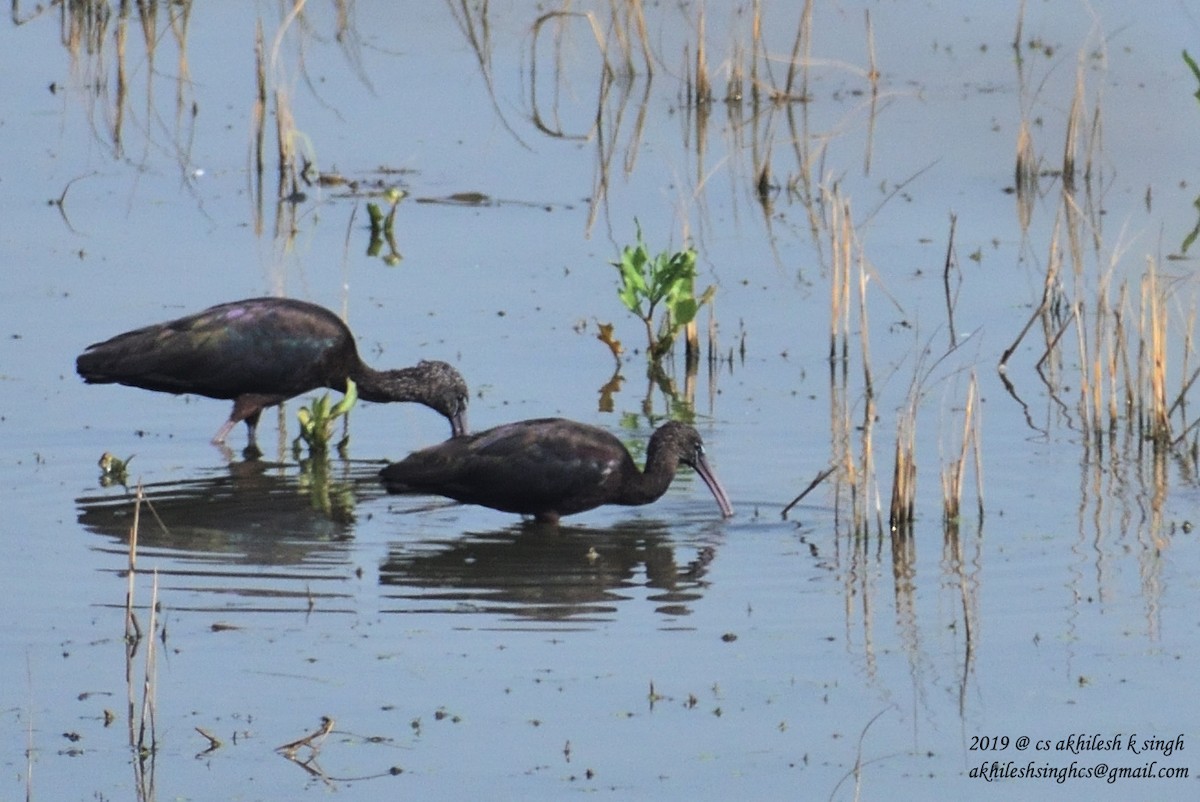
317, 420
665, 281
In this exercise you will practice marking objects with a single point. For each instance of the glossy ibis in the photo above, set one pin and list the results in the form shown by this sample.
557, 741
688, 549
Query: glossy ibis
260, 352
552, 467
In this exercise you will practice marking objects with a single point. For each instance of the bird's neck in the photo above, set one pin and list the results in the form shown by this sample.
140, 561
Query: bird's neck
382, 386
650, 484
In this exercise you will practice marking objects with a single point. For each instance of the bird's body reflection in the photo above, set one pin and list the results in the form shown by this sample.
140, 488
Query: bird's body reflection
267, 537
255, 536
532, 571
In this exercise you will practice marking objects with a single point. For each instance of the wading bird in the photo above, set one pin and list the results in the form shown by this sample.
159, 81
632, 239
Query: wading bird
552, 467
260, 352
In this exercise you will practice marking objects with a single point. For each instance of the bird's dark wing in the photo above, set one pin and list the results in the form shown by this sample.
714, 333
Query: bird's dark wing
261, 346
528, 467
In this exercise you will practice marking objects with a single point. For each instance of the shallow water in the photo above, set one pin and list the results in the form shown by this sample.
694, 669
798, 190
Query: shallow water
653, 652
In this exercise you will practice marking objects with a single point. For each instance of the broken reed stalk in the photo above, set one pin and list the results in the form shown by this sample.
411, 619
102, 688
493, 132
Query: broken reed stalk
866, 487
800, 58
1153, 304
133, 632
756, 50
952, 476
864, 332
872, 64
148, 717
734, 84
1130, 395
259, 112
904, 472
285, 125
1025, 176
841, 234
638, 13
1074, 117
624, 40
820, 477
626, 30
703, 89
951, 263
313, 740
285, 129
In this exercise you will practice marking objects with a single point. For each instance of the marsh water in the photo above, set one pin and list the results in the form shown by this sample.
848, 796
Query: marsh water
984, 211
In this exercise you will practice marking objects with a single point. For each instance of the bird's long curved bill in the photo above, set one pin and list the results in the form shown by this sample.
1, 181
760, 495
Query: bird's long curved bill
714, 486
458, 423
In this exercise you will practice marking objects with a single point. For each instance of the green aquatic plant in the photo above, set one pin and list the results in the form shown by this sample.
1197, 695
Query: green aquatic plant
1195, 68
382, 227
667, 282
113, 470
317, 420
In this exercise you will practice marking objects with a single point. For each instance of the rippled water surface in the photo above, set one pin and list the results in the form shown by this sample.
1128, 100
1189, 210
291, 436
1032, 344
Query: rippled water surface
299, 632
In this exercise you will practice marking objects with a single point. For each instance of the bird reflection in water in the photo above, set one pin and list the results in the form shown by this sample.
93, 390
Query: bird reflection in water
540, 572
252, 512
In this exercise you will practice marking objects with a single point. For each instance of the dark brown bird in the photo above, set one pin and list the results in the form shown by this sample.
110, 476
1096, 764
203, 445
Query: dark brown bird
260, 352
552, 467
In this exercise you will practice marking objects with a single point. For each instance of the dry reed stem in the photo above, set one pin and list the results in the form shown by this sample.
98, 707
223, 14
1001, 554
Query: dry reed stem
1025, 176
864, 332
801, 56
626, 30
952, 476
904, 473
872, 64
873, 78
820, 477
148, 716
1074, 118
1016, 42
285, 126
258, 114
867, 491
951, 263
1160, 427
638, 13
1120, 336
841, 236
132, 630
757, 50
703, 94
313, 740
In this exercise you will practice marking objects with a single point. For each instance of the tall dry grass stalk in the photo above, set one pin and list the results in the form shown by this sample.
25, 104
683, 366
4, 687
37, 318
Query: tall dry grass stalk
873, 76
852, 435
1154, 315
141, 697
629, 26
1070, 146
702, 91
841, 239
904, 471
133, 632
801, 58
286, 133
952, 475
258, 123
